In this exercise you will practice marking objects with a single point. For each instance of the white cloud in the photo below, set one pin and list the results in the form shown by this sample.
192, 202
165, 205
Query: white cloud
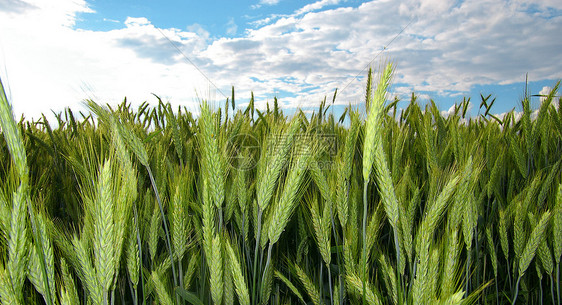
545, 91
451, 111
231, 27
542, 4
136, 22
15, 6
110, 20
53, 12
316, 6
264, 2
53, 66
449, 47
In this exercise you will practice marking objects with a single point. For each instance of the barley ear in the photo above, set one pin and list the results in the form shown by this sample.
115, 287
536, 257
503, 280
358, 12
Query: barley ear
289, 285
212, 165
7, 293
216, 271
451, 262
17, 244
533, 243
179, 223
433, 273
355, 285
153, 236
86, 272
269, 168
504, 240
283, 210
238, 277
103, 242
557, 225
68, 284
519, 232
374, 121
492, 250
322, 239
432, 217
228, 280
35, 273
389, 276
309, 286
342, 198
160, 288
188, 276
373, 152
173, 125
136, 145
543, 252
133, 261
13, 137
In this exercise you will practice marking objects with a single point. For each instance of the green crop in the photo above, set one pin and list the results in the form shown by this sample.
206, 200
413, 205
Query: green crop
241, 206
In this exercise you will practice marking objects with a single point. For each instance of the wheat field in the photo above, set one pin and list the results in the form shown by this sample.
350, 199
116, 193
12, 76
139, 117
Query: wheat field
154, 205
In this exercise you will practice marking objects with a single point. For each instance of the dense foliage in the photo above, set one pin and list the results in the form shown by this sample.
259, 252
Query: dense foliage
148, 205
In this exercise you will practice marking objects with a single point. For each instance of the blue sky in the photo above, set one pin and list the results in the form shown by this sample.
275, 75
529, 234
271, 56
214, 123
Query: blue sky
55, 54
217, 17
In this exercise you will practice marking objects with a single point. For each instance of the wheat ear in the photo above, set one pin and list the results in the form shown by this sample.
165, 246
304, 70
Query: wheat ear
557, 229
133, 261
103, 242
530, 248
68, 284
14, 274
216, 271
86, 272
373, 153
160, 288
309, 286
238, 277
35, 274
283, 210
289, 285
16, 147
358, 286
13, 138
533, 243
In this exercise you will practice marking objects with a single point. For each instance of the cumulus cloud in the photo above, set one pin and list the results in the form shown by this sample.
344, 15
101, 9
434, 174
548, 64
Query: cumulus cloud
54, 66
449, 47
545, 91
451, 111
15, 6
467, 43
316, 6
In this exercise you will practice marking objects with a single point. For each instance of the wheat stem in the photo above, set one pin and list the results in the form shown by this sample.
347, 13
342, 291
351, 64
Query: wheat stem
166, 231
256, 249
558, 282
139, 245
266, 269
516, 290
364, 235
552, 288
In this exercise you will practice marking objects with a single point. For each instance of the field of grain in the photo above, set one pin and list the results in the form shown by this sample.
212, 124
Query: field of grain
156, 206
